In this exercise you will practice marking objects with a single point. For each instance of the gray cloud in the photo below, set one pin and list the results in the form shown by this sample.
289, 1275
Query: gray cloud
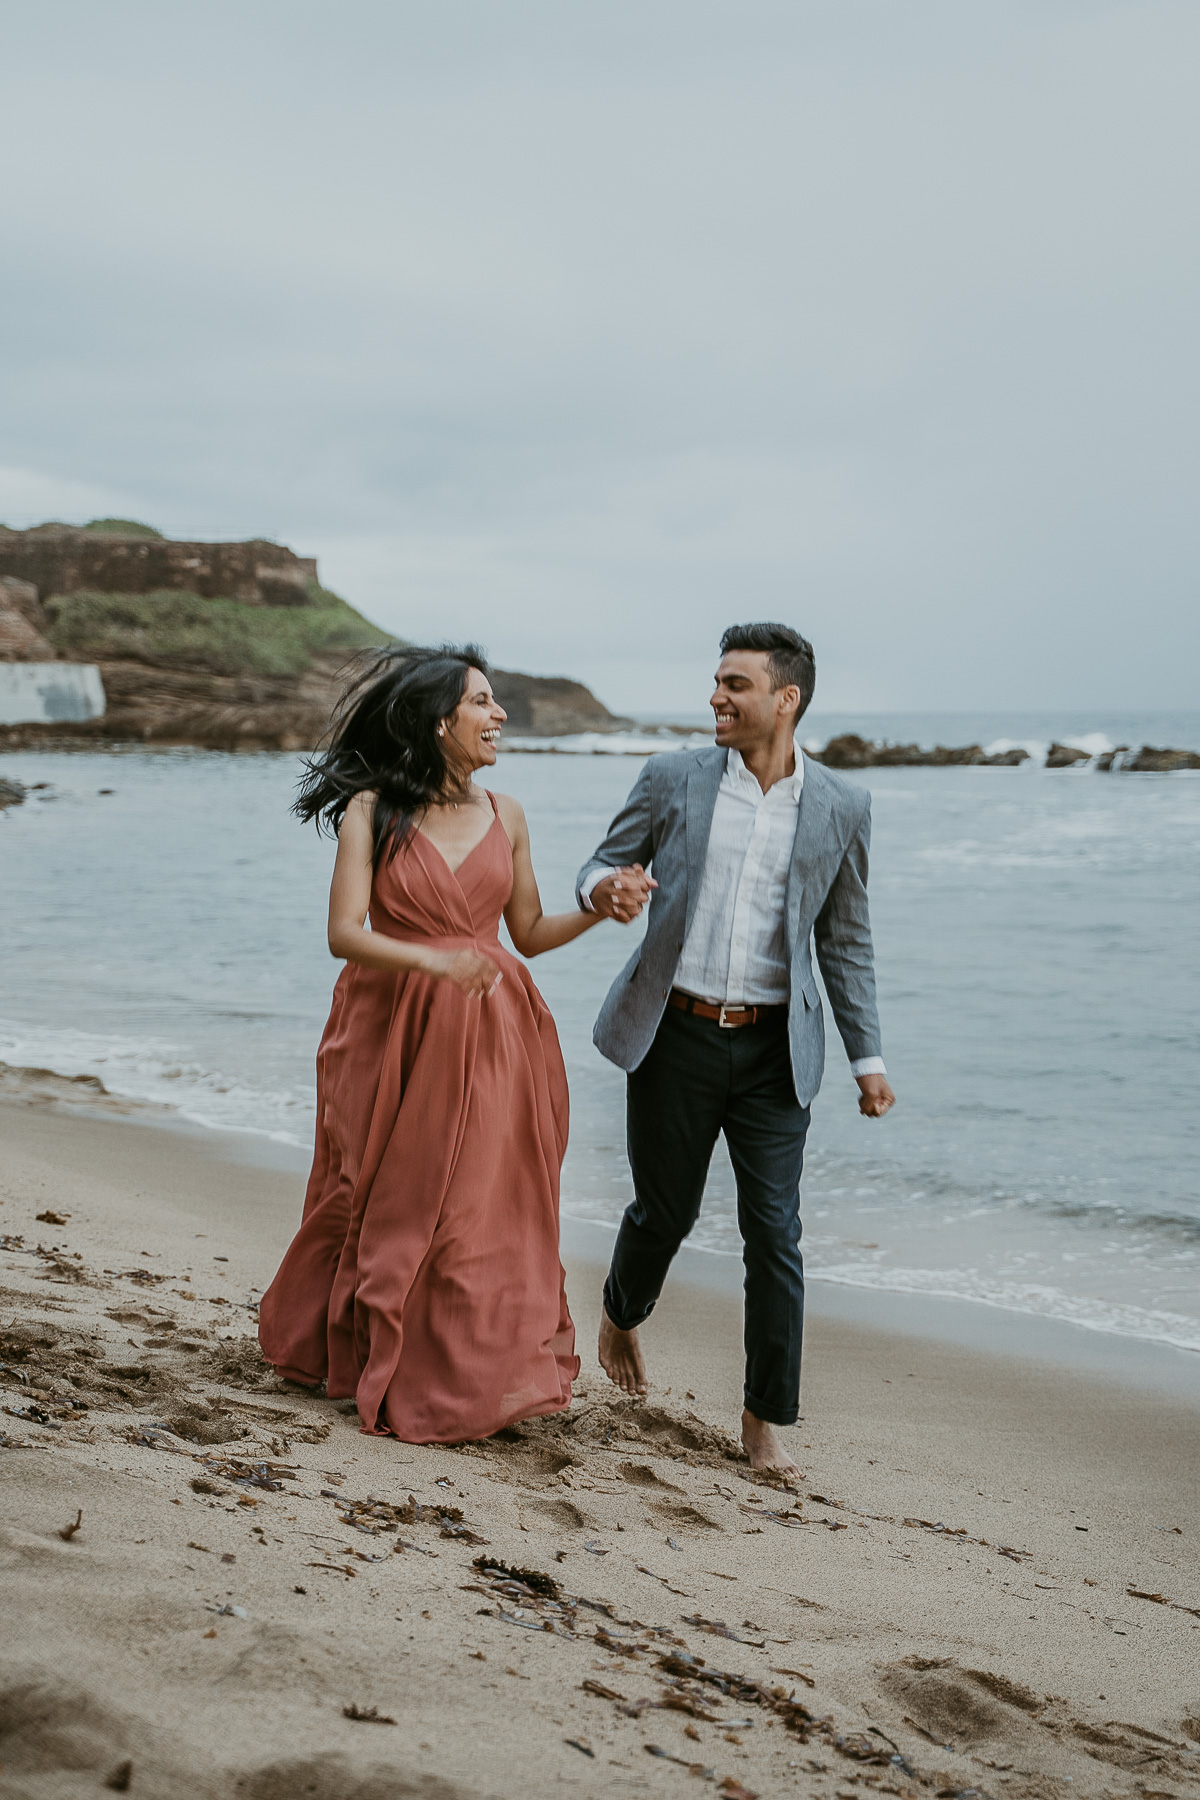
584, 331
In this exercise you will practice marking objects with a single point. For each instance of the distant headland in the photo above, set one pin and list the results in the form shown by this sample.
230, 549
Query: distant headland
222, 645
111, 632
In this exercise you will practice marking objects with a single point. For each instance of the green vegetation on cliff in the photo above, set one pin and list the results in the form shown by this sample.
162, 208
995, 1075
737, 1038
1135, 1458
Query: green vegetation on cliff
180, 630
123, 528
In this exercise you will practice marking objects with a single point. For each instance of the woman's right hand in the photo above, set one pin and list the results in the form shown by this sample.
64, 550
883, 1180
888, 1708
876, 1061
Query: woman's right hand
470, 971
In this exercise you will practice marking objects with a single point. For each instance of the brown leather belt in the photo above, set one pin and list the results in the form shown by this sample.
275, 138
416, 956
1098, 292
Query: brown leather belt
730, 1017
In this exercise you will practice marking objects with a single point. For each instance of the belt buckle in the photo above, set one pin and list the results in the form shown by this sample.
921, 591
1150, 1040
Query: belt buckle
724, 1023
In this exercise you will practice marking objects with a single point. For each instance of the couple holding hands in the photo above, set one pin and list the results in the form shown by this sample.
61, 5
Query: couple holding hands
425, 1280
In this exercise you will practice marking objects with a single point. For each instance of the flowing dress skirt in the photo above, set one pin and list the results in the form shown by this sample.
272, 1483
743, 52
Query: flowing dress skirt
425, 1279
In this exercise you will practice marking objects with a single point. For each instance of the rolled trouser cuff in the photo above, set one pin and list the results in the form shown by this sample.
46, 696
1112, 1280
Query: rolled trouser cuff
622, 1321
770, 1415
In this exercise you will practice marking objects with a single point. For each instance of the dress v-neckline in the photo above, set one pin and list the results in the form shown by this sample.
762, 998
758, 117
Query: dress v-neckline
455, 872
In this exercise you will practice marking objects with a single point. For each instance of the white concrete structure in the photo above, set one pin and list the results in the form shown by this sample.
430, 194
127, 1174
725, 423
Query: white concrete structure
50, 693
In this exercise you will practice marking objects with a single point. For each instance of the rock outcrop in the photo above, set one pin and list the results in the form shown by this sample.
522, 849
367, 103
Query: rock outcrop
228, 646
1149, 761
550, 706
1065, 756
23, 623
853, 752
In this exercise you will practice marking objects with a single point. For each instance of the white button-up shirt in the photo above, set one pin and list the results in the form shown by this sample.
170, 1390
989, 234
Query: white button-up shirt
736, 948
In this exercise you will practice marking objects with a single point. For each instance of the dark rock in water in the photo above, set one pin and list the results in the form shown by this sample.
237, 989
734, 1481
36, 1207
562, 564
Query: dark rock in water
11, 793
1105, 762
1006, 759
853, 752
846, 752
943, 756
1150, 761
1063, 756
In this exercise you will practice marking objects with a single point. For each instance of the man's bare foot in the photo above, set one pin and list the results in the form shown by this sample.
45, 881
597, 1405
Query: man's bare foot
621, 1357
764, 1449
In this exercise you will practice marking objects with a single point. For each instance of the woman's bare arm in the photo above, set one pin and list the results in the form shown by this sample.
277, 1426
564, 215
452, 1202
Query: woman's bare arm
350, 898
531, 931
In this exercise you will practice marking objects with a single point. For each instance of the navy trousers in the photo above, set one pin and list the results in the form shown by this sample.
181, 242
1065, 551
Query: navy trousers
699, 1079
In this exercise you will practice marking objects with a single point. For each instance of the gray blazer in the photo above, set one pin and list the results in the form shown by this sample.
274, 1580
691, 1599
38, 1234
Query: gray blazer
664, 825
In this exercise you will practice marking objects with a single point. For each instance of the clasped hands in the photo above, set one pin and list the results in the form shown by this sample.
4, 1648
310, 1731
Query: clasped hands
623, 894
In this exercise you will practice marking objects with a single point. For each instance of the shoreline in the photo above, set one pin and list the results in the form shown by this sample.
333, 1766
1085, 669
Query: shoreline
932, 1319
969, 1323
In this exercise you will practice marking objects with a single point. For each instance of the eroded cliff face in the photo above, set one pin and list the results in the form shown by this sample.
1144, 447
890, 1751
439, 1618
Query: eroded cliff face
23, 623
213, 712
65, 559
226, 646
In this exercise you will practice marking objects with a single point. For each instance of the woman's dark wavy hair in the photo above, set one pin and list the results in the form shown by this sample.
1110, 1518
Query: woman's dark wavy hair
384, 739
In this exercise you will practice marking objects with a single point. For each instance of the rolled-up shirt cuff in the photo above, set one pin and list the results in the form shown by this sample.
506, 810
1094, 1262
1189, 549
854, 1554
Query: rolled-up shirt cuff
867, 1065
588, 883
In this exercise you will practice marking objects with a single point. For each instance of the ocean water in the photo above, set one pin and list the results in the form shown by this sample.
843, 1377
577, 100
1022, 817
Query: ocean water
1039, 977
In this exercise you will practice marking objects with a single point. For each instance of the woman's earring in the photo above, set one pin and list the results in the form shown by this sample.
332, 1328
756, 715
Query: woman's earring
441, 731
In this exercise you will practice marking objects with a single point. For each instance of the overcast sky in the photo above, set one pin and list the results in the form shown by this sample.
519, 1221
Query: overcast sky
585, 329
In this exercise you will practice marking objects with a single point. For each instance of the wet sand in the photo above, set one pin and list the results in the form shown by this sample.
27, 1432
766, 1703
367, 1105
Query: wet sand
984, 1584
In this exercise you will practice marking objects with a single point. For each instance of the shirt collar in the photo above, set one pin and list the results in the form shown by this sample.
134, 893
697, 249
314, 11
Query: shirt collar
737, 768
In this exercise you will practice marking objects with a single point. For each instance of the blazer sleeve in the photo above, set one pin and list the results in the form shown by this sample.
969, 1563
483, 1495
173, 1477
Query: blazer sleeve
842, 934
630, 837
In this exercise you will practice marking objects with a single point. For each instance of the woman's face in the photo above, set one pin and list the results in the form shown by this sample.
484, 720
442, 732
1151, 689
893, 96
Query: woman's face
474, 726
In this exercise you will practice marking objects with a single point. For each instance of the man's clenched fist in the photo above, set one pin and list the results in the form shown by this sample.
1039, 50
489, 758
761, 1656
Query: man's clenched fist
875, 1096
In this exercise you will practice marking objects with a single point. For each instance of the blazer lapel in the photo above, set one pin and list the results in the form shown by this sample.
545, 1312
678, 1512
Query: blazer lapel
812, 820
703, 782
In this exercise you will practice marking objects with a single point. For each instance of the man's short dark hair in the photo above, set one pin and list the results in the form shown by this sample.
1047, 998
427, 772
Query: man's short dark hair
790, 657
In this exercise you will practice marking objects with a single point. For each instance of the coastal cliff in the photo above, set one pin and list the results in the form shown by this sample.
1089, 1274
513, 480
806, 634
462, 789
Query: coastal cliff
225, 646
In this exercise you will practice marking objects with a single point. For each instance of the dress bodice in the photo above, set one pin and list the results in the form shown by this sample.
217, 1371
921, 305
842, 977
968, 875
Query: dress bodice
416, 894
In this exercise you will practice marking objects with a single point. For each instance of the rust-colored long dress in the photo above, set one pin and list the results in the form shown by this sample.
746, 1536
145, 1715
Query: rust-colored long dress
425, 1278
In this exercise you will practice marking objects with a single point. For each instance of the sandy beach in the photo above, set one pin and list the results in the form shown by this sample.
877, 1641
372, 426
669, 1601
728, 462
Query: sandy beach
986, 1584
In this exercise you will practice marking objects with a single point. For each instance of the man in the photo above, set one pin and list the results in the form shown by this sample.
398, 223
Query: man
757, 852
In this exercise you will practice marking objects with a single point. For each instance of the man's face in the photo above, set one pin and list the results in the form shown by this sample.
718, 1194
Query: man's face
746, 708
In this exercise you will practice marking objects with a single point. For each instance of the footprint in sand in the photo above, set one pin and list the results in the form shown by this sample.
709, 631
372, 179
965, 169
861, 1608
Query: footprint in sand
52, 1732
562, 1512
683, 1516
642, 1475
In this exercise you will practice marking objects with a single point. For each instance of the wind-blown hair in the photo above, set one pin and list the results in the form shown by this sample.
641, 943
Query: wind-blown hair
384, 740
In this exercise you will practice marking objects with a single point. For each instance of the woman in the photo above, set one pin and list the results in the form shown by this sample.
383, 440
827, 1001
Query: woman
425, 1278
